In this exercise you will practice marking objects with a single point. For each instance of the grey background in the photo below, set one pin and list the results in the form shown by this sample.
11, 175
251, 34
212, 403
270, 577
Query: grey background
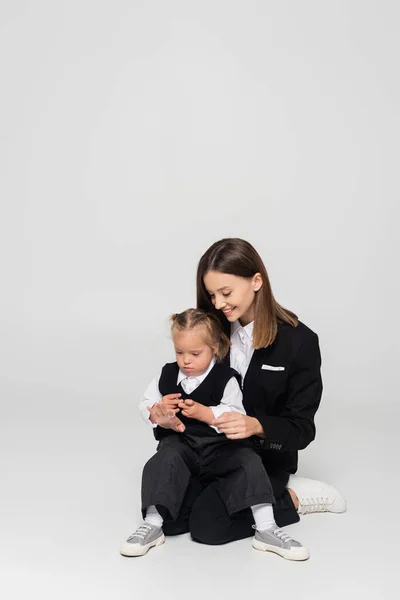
133, 135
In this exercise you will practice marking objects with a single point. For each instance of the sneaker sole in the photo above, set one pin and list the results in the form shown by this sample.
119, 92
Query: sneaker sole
294, 554
133, 550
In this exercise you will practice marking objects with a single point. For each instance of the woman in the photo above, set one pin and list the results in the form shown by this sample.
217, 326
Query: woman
279, 360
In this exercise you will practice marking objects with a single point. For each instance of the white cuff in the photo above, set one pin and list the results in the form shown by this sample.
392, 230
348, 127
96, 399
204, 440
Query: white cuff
219, 410
146, 414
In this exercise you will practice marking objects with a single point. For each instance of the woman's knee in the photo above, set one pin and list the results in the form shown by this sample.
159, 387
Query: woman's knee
204, 527
210, 522
202, 516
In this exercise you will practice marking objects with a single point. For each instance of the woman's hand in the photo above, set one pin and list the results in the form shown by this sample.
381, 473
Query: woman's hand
165, 417
237, 426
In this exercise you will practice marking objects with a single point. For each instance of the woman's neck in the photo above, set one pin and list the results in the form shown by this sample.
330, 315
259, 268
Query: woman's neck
247, 317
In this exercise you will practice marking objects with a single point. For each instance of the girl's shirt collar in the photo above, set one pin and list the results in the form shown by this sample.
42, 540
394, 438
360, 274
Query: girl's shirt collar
200, 378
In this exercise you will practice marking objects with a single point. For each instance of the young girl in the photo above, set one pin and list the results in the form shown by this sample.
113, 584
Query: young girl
201, 388
279, 360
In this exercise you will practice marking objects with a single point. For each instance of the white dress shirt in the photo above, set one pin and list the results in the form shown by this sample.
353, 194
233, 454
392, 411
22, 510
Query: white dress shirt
231, 401
242, 347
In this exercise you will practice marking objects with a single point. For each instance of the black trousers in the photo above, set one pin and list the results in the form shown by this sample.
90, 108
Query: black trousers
235, 468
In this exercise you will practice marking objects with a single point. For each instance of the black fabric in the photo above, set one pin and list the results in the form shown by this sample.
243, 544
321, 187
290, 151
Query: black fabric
209, 393
242, 479
204, 515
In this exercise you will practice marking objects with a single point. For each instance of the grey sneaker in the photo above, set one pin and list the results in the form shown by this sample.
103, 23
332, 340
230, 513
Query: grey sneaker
276, 540
144, 538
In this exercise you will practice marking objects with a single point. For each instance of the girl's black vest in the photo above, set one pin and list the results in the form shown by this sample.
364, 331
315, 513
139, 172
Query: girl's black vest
208, 393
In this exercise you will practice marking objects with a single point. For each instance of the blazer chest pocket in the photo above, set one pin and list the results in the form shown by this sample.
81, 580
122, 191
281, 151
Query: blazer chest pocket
273, 378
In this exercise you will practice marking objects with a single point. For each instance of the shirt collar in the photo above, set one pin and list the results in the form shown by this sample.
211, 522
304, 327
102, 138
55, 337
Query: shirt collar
247, 329
200, 378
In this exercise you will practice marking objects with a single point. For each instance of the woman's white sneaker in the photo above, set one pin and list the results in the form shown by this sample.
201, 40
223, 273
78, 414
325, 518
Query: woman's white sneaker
276, 540
144, 538
316, 496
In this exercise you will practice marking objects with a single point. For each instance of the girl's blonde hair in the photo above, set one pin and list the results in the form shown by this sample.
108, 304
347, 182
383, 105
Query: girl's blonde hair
211, 326
237, 257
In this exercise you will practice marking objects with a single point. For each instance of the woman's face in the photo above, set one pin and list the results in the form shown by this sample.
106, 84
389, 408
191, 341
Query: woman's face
233, 295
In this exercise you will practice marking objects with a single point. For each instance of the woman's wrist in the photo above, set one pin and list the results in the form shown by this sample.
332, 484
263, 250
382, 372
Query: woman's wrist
258, 428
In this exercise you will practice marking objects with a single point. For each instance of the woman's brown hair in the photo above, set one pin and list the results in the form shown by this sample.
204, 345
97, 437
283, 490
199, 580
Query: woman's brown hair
195, 317
237, 257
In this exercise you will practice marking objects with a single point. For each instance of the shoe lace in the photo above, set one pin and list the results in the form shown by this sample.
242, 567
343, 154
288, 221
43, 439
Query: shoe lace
280, 534
318, 504
283, 536
141, 532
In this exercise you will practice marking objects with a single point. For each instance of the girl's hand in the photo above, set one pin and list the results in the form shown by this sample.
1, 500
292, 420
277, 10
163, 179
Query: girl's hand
170, 400
194, 410
165, 417
237, 426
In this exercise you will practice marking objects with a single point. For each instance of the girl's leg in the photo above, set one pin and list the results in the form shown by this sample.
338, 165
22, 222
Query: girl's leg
164, 484
243, 481
166, 476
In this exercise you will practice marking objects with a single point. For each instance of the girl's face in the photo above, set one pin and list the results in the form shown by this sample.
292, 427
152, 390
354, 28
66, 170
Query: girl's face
193, 355
233, 295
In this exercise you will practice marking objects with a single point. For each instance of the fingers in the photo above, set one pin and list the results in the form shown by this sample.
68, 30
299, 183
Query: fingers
171, 399
236, 436
233, 431
178, 425
172, 404
188, 413
186, 403
231, 427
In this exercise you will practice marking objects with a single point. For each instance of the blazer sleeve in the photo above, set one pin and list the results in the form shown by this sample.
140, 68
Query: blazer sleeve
294, 428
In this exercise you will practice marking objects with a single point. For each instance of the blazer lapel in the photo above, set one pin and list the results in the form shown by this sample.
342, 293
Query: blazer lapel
253, 371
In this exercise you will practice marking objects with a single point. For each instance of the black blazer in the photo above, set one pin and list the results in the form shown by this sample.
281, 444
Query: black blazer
282, 389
